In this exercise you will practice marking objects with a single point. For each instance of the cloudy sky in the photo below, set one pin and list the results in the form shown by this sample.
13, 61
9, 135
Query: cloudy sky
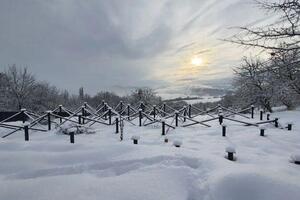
169, 45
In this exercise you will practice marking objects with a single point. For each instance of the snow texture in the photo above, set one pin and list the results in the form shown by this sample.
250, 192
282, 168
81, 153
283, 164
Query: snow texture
100, 166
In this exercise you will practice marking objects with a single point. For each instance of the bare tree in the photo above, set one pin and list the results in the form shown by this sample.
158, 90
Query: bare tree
21, 84
285, 30
254, 83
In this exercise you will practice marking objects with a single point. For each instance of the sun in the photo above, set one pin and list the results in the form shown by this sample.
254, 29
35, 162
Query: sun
197, 61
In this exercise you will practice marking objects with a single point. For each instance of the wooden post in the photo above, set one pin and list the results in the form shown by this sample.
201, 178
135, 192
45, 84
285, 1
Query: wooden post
121, 127
140, 117
262, 132
60, 113
176, 118
117, 125
268, 116
72, 137
154, 111
79, 119
128, 111
276, 122
252, 111
143, 106
105, 109
26, 131
230, 156
49, 120
23, 115
109, 116
289, 126
261, 114
164, 109
221, 119
83, 114
184, 114
224, 130
190, 110
121, 106
163, 123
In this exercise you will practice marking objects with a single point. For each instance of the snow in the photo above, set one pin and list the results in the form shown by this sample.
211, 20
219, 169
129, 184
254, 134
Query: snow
100, 166
295, 157
135, 137
230, 149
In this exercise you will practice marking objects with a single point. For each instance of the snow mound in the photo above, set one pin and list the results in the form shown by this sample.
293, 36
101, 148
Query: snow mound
252, 185
70, 127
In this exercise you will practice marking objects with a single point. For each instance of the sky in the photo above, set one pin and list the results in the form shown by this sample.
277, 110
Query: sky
119, 45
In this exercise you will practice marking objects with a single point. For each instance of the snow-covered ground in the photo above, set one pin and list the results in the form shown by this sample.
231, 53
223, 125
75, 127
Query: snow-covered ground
99, 166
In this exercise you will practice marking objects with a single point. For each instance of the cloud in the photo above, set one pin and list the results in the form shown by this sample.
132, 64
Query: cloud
101, 44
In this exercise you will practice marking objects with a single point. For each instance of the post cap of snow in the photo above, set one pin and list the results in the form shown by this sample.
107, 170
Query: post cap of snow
85, 102
140, 109
184, 106
177, 143
26, 124
177, 111
163, 120
154, 105
220, 114
121, 101
262, 127
128, 104
295, 157
82, 107
261, 110
224, 124
290, 122
49, 111
219, 105
23, 109
268, 113
230, 149
252, 105
60, 105
135, 137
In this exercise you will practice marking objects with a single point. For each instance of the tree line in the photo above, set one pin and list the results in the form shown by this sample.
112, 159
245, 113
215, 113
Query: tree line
19, 88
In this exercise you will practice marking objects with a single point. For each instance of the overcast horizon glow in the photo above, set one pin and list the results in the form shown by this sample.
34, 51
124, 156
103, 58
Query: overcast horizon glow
118, 45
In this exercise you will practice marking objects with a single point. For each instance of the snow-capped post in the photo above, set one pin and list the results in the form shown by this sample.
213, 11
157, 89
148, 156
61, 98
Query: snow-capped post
82, 113
23, 114
140, 117
252, 111
60, 113
117, 124
268, 115
190, 110
154, 111
221, 118
49, 119
26, 131
276, 122
224, 129
176, 118
135, 139
230, 152
261, 114
72, 137
177, 143
128, 111
79, 118
289, 126
163, 127
295, 158
109, 116
262, 130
